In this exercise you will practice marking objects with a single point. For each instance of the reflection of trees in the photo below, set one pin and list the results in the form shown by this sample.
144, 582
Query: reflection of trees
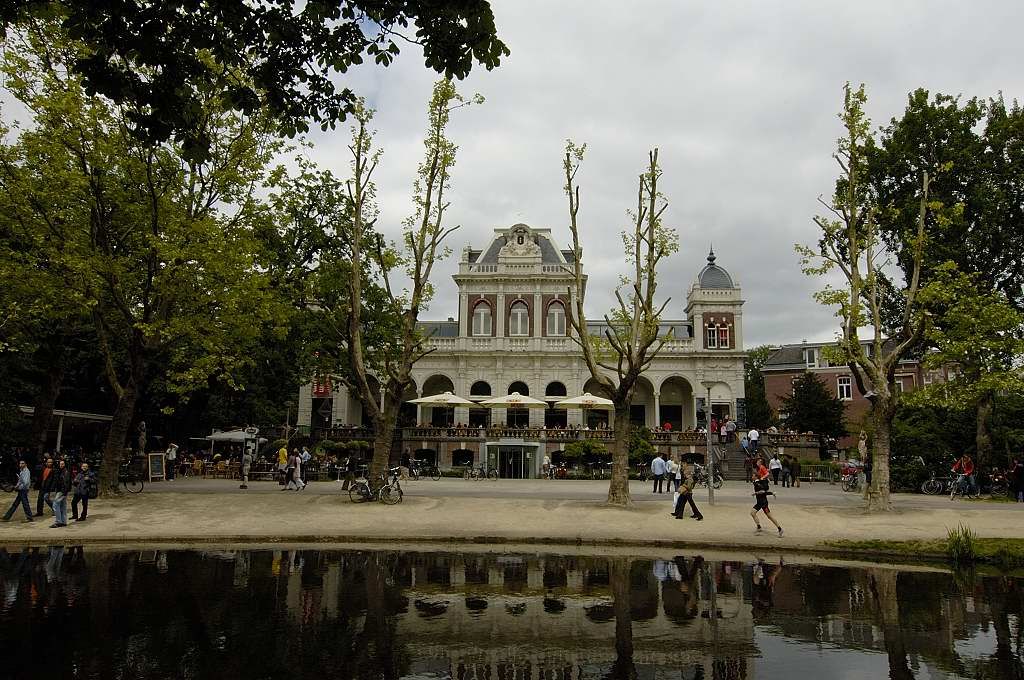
885, 599
619, 576
1004, 596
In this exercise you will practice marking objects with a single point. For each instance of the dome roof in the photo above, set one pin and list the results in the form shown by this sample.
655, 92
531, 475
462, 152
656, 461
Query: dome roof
713, 276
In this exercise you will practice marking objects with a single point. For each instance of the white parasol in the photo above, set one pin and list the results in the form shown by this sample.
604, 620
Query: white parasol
514, 400
444, 399
587, 401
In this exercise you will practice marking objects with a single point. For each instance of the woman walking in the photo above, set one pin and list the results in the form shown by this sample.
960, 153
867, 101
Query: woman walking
775, 465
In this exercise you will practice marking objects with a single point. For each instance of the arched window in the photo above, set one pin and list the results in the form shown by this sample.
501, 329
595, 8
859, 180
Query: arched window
482, 319
520, 387
555, 389
480, 389
519, 319
556, 319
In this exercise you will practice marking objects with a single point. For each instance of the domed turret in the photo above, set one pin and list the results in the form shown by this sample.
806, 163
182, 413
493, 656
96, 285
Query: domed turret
712, 276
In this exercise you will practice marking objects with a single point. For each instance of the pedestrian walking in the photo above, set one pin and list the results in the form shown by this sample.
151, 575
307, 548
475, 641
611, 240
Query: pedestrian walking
246, 467
172, 461
730, 430
61, 490
775, 465
761, 493
785, 472
83, 489
754, 436
658, 470
715, 429
674, 472
282, 464
350, 472
45, 484
686, 497
22, 487
794, 472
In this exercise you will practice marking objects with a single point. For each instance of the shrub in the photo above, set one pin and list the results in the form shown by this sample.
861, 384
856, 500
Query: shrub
961, 545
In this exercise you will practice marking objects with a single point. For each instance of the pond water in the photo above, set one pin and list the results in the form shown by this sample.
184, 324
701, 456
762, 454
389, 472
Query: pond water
297, 614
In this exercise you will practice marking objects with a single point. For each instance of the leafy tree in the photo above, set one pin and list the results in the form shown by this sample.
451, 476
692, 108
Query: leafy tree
640, 446
974, 153
759, 412
812, 408
589, 449
630, 339
850, 243
162, 60
156, 247
391, 355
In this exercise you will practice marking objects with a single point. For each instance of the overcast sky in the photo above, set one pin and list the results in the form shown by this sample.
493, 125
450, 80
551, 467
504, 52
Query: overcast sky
740, 98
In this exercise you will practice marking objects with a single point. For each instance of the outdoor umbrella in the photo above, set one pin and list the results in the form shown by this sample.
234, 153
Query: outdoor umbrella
587, 401
514, 400
445, 399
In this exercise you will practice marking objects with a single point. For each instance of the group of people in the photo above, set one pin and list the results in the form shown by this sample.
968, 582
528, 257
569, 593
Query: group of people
787, 469
290, 467
57, 481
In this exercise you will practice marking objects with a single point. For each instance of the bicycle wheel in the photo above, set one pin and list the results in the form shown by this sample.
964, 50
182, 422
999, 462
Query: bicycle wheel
435, 474
492, 475
718, 482
7, 487
390, 495
931, 487
466, 474
134, 484
355, 494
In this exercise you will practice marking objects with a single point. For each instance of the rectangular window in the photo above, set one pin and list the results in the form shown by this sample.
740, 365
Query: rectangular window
898, 386
844, 387
811, 358
723, 337
712, 335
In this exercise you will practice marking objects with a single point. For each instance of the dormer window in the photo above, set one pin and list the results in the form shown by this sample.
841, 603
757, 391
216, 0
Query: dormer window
519, 239
811, 357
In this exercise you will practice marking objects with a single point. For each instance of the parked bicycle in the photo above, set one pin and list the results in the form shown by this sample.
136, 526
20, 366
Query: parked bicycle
700, 477
131, 479
418, 470
389, 491
933, 486
480, 473
851, 481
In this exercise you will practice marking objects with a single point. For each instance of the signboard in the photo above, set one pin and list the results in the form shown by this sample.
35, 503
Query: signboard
156, 466
741, 414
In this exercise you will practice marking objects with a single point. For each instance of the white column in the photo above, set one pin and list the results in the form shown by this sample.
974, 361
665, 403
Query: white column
463, 315
657, 409
60, 432
499, 316
538, 317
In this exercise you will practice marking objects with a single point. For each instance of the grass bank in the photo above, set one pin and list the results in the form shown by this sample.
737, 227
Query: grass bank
1005, 553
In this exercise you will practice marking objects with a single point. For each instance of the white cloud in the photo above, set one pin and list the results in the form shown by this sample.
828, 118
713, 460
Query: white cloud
740, 97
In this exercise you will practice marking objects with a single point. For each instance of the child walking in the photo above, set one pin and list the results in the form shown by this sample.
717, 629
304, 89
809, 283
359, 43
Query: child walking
761, 493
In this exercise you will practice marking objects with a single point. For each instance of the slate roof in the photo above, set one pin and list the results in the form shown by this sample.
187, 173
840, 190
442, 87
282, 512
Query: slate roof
548, 253
713, 276
440, 329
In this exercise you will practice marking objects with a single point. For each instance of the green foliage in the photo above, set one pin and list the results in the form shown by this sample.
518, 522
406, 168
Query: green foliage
812, 408
759, 412
163, 60
585, 449
961, 545
640, 446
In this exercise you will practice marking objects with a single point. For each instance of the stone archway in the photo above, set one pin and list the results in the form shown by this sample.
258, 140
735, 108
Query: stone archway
439, 416
676, 406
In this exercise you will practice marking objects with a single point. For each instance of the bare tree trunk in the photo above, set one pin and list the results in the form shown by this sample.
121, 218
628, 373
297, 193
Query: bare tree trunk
113, 448
982, 435
384, 437
879, 494
45, 402
618, 488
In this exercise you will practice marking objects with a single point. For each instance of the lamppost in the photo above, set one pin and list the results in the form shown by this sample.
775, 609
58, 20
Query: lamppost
708, 384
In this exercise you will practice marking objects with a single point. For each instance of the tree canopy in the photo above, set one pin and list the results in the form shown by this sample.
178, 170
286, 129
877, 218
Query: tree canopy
163, 59
812, 408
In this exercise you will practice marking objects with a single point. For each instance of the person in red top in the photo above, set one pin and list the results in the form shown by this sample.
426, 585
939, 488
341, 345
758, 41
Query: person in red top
965, 466
44, 488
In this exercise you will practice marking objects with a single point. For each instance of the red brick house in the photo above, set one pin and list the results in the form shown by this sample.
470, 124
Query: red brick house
789, 362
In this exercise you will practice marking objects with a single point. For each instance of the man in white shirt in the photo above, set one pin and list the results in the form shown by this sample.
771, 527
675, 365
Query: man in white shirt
658, 470
753, 435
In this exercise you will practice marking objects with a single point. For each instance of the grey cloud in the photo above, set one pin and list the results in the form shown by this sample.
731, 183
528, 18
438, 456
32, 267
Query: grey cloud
741, 99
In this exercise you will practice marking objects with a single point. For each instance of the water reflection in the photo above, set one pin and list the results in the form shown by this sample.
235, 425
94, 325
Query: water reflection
380, 615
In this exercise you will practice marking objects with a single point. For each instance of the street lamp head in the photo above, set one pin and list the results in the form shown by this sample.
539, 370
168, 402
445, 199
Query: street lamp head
708, 384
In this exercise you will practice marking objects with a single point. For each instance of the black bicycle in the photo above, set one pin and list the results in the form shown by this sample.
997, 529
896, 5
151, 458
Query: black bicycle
418, 470
130, 479
480, 473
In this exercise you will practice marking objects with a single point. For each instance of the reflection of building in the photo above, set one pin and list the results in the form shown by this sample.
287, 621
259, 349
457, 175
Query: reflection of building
512, 335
